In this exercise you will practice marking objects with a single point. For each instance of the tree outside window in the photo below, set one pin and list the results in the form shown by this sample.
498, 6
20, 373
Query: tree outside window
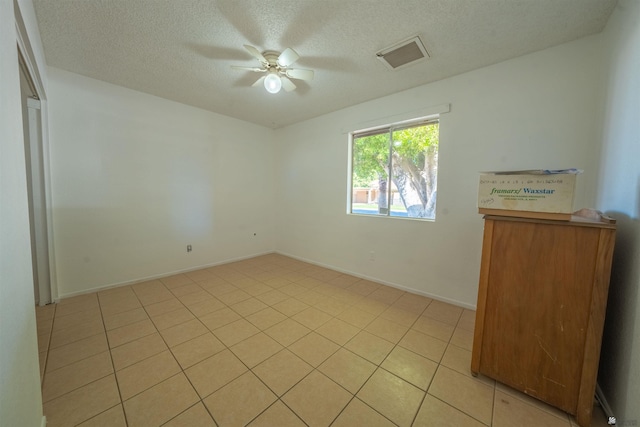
394, 171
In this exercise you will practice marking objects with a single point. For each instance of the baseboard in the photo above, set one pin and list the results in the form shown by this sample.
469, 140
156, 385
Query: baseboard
374, 279
600, 397
156, 276
43, 423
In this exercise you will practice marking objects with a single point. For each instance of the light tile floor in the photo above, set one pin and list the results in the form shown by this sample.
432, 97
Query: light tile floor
269, 341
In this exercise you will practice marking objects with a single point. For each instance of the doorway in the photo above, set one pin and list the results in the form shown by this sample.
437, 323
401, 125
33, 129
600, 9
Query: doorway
34, 158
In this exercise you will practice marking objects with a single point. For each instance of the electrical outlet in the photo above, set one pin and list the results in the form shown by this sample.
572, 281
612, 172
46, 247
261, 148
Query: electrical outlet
189, 248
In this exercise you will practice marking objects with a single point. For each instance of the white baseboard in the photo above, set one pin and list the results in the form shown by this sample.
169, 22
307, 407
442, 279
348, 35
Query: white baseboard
156, 276
608, 412
393, 285
43, 423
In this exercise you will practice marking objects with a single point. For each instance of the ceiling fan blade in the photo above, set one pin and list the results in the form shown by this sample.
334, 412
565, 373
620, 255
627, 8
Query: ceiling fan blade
256, 54
254, 69
288, 57
287, 84
300, 74
259, 82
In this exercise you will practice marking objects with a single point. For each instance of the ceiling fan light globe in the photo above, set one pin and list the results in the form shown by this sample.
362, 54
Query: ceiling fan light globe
272, 83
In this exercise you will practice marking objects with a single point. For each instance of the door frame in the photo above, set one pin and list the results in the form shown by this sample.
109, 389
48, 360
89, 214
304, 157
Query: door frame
30, 65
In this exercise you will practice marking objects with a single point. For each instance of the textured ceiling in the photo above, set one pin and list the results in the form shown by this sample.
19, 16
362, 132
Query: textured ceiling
183, 49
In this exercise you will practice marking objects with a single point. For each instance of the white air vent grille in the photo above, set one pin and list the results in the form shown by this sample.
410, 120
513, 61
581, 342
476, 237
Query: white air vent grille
402, 54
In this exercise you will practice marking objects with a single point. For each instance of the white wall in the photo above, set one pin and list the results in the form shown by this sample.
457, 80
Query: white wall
20, 399
619, 195
136, 178
536, 111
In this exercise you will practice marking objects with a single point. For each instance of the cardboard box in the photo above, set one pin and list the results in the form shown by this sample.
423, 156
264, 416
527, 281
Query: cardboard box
544, 194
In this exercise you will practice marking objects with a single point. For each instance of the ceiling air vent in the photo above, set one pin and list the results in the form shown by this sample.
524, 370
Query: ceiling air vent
403, 54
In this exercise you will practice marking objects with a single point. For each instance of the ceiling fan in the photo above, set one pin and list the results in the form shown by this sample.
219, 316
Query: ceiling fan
276, 66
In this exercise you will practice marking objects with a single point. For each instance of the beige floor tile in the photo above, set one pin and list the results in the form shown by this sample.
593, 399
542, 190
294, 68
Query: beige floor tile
66, 321
240, 401
183, 332
293, 289
467, 320
43, 342
83, 403
248, 306
424, 345
173, 318
338, 331
73, 376
372, 306
219, 318
129, 333
436, 413
234, 297
257, 289
290, 306
74, 333
195, 298
355, 317
358, 413
161, 293
511, 411
235, 332
347, 369
176, 280
411, 367
459, 360
256, 349
217, 287
135, 351
412, 302
463, 338
160, 403
196, 350
187, 289
386, 294
164, 307
266, 318
78, 350
400, 315
213, 373
393, 397
282, 371
113, 417
467, 394
369, 346
202, 308
387, 329
146, 373
313, 348
125, 318
196, 416
364, 287
277, 415
311, 298
78, 304
446, 313
287, 332
317, 400
272, 297
111, 306
45, 326
426, 325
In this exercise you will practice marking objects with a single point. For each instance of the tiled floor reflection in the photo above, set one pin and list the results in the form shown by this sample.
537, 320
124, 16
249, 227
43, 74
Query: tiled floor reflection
269, 341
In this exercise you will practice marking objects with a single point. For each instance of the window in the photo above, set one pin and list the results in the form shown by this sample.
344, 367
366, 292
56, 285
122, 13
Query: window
394, 170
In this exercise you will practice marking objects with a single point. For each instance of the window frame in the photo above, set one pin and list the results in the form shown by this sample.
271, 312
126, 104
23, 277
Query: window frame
389, 129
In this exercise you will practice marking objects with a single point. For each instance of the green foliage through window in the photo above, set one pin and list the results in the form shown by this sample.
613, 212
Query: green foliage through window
394, 171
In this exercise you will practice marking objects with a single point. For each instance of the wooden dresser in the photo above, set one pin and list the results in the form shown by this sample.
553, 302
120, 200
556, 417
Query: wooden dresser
541, 306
